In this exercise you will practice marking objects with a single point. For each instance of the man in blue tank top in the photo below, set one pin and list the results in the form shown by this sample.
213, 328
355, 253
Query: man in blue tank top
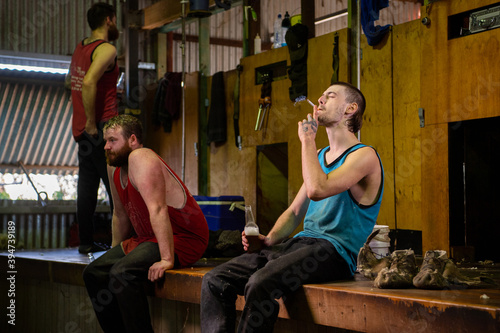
339, 202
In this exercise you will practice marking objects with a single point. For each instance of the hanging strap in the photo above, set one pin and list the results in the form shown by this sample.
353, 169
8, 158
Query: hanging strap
335, 61
236, 115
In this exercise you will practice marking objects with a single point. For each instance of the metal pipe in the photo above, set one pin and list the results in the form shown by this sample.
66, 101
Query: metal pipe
183, 87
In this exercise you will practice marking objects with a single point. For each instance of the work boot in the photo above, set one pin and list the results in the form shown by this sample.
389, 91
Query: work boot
431, 271
368, 264
401, 273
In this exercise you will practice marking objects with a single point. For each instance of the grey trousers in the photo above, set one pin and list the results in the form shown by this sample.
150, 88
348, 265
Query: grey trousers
263, 277
116, 285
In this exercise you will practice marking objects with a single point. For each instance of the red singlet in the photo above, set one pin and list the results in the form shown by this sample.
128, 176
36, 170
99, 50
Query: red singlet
188, 223
105, 102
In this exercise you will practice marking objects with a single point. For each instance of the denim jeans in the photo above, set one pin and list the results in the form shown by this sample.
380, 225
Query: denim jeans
116, 285
91, 169
263, 277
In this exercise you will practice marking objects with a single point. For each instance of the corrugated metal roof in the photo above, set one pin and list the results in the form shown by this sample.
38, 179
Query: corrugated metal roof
35, 123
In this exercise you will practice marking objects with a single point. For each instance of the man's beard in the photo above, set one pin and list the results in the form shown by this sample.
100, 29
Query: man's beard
113, 33
120, 158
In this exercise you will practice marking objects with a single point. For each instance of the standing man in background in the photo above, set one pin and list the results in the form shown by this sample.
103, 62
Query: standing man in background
94, 73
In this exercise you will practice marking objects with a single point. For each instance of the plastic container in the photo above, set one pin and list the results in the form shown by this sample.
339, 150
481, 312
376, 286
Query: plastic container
296, 19
257, 44
218, 214
285, 25
278, 35
381, 243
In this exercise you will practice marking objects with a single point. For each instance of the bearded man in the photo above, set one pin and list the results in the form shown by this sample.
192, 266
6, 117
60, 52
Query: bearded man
92, 77
157, 226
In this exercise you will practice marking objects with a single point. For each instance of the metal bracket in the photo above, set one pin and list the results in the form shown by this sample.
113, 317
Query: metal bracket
421, 116
135, 19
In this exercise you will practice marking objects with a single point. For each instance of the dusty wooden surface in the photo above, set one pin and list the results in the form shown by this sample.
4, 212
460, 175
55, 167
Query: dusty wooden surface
353, 305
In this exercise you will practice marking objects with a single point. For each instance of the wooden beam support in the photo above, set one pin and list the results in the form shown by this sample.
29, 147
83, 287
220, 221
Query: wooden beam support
308, 16
212, 41
355, 31
163, 12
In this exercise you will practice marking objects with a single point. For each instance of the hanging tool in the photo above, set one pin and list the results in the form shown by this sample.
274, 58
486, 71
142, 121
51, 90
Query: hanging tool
264, 101
236, 115
42, 201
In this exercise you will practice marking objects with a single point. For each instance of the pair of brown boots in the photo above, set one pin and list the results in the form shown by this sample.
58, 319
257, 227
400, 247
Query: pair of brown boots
400, 270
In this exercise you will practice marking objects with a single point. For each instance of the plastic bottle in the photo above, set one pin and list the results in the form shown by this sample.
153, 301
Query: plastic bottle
278, 35
285, 25
257, 44
251, 230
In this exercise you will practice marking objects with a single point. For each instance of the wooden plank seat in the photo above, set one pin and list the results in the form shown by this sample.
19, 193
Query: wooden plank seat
351, 305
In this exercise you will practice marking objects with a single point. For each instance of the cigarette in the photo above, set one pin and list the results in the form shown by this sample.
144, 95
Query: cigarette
308, 101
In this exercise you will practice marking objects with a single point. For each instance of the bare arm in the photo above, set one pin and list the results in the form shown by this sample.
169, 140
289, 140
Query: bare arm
290, 219
121, 225
360, 164
103, 57
286, 223
146, 174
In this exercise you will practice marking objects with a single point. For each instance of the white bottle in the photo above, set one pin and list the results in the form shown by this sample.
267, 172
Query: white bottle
257, 44
278, 34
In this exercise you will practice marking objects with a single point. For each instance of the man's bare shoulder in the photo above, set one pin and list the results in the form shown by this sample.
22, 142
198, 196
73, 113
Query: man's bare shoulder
142, 155
365, 157
105, 48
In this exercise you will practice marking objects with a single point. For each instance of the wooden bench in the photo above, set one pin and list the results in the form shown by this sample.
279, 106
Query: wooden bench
346, 305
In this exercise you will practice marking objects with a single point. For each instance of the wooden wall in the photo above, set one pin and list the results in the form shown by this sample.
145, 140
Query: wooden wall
168, 145
377, 129
415, 66
458, 82
233, 171
390, 81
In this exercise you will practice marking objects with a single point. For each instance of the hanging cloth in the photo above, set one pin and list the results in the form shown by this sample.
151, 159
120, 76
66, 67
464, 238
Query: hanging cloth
369, 14
336, 60
167, 100
296, 39
217, 126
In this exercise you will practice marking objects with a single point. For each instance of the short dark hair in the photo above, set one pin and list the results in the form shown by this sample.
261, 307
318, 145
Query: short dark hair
129, 124
98, 13
354, 95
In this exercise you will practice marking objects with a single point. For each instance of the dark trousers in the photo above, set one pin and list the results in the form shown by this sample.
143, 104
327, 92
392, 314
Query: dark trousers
91, 169
264, 277
116, 285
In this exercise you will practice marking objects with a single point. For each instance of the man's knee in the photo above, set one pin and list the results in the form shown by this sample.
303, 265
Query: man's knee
90, 274
212, 283
215, 284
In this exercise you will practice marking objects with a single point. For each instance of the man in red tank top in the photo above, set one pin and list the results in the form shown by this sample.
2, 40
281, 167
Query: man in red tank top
93, 74
157, 225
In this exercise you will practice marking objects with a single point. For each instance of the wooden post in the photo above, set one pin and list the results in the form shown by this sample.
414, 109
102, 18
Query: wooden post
354, 29
308, 16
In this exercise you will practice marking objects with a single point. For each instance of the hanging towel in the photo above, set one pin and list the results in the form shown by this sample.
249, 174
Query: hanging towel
296, 39
369, 14
217, 126
167, 100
